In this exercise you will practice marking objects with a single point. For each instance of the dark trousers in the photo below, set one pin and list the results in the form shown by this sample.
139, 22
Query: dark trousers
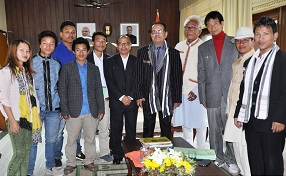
116, 127
265, 152
149, 125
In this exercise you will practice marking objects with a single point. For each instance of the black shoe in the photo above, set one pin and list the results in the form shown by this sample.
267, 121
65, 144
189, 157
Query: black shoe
80, 156
117, 161
58, 163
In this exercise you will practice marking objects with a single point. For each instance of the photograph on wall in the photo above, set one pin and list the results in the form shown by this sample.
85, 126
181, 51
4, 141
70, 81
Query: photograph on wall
132, 31
86, 30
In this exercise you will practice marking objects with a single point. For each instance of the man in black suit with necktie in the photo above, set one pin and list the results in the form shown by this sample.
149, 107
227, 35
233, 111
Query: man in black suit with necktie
158, 81
119, 71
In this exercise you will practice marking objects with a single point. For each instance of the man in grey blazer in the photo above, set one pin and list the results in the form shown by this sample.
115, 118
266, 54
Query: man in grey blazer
215, 58
82, 104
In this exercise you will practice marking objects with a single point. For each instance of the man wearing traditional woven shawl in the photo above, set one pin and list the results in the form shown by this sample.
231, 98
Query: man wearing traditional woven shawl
158, 81
261, 106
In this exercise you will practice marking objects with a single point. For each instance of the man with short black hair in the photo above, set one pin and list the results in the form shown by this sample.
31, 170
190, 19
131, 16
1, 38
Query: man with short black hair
120, 78
214, 76
46, 78
97, 57
64, 54
82, 104
261, 106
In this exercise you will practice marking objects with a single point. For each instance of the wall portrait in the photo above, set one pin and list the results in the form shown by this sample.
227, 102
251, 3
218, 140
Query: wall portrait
86, 30
132, 31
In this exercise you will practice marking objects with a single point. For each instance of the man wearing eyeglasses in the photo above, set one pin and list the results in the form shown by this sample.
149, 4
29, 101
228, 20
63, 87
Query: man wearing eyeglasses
97, 57
191, 115
158, 81
244, 43
215, 58
119, 72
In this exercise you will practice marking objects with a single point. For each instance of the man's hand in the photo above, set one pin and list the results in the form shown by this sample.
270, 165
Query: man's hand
192, 96
204, 104
237, 123
176, 105
126, 100
226, 115
66, 117
277, 127
100, 116
139, 102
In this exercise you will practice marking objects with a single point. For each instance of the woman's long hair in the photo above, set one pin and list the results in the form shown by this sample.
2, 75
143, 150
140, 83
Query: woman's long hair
12, 60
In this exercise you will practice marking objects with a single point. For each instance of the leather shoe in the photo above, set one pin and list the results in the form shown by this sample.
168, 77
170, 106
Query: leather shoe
116, 161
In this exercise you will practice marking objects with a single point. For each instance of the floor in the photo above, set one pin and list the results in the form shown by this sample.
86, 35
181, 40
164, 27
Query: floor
6, 150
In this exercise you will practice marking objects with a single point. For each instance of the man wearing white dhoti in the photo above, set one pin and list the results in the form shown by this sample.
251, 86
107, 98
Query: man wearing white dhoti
191, 114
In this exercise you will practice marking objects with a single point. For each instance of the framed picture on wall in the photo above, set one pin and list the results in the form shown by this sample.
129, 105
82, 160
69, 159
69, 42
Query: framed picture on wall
132, 31
85, 30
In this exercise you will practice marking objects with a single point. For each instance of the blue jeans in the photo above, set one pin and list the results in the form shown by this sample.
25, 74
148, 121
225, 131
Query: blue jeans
51, 121
60, 139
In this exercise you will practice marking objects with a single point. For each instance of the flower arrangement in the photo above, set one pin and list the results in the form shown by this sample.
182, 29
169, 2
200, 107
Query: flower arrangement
168, 162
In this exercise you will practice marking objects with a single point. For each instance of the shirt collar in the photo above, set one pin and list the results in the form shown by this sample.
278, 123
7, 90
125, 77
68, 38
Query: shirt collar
192, 43
43, 56
124, 57
256, 54
84, 65
100, 58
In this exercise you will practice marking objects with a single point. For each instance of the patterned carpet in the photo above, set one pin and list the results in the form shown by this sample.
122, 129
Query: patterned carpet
103, 170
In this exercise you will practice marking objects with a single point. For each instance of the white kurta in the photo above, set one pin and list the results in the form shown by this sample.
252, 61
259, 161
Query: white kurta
232, 133
190, 114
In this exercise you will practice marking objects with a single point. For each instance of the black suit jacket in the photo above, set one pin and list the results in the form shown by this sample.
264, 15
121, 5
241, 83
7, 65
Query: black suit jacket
119, 81
277, 99
90, 57
144, 73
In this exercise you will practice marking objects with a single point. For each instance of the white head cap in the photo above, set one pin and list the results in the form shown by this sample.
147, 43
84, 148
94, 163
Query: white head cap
243, 32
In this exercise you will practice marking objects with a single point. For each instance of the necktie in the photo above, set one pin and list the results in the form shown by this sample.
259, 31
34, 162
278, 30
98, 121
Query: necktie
158, 59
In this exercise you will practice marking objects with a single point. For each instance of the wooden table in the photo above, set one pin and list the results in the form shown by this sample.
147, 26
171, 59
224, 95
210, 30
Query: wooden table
132, 145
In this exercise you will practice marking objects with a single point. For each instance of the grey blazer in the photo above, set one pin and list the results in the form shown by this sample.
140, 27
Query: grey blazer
70, 90
213, 78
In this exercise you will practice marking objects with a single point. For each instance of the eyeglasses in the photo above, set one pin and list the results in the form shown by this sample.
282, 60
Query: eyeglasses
161, 31
191, 28
123, 43
244, 41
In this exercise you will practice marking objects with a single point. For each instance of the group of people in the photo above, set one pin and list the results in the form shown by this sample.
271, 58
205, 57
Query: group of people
222, 84
243, 92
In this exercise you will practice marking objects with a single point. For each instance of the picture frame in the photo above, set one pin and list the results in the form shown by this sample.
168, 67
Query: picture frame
86, 30
134, 33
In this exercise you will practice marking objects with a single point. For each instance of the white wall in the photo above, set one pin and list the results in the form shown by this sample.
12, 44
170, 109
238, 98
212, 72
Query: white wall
3, 24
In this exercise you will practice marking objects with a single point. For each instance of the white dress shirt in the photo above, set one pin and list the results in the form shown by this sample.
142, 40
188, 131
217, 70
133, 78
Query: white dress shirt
99, 62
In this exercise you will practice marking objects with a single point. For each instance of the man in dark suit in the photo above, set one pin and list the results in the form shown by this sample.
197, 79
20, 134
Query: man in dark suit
119, 73
261, 105
158, 81
97, 57
82, 104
